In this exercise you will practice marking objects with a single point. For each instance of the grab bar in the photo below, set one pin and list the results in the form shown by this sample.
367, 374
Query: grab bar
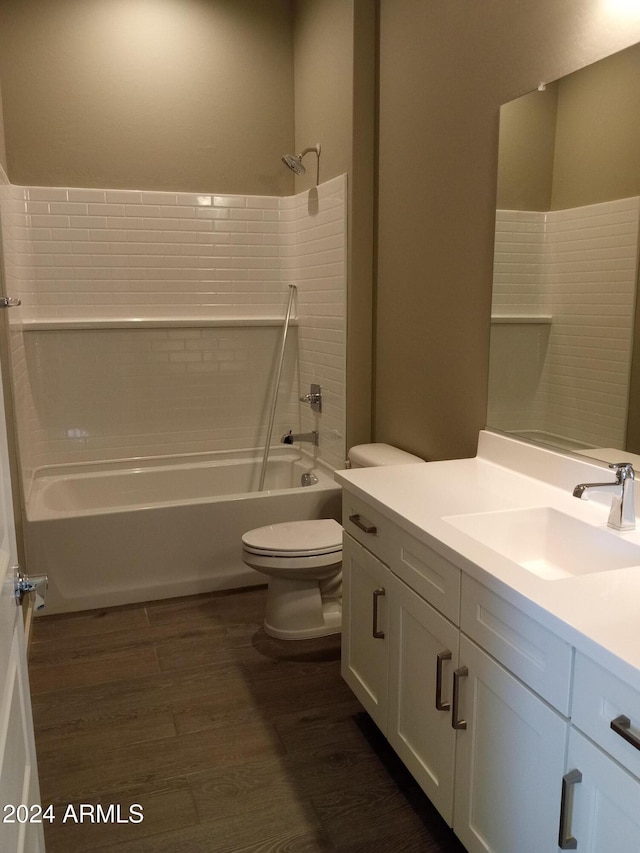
283, 343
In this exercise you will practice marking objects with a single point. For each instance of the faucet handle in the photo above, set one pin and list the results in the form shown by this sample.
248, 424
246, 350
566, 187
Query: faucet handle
623, 470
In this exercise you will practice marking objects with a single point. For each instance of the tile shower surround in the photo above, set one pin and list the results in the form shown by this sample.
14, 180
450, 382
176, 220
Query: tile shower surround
75, 254
579, 266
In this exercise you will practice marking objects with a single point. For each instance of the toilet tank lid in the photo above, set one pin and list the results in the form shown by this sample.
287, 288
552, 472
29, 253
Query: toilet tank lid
373, 455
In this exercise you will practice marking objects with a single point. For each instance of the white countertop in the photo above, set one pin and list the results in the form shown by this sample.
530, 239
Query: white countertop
598, 613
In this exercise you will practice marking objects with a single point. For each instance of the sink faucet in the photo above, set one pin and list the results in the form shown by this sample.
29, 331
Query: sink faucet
622, 515
290, 437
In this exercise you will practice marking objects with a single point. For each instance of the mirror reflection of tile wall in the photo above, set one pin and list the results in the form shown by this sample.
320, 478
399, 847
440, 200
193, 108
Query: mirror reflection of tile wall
566, 251
561, 343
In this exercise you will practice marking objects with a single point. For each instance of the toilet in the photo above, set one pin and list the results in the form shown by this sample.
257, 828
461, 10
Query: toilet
303, 560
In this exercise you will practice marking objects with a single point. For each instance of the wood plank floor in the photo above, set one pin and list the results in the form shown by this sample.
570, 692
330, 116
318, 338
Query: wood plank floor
231, 741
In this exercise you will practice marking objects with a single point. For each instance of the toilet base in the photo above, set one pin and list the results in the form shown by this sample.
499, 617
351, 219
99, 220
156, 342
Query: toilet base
296, 610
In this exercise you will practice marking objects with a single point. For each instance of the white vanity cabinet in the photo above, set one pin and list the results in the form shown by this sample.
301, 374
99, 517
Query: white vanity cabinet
602, 795
365, 643
423, 654
603, 802
488, 752
509, 760
513, 699
511, 744
398, 656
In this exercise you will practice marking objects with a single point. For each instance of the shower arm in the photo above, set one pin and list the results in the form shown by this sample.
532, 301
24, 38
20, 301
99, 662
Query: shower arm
316, 150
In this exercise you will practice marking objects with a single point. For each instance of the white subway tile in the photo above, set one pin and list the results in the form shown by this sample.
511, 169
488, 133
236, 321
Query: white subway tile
88, 196
229, 201
107, 210
68, 207
158, 198
48, 221
122, 197
46, 194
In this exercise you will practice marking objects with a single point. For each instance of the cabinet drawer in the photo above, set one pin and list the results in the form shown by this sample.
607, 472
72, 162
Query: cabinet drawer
531, 652
368, 527
430, 575
600, 698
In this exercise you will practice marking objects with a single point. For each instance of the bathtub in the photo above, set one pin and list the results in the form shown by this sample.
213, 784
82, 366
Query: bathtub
123, 532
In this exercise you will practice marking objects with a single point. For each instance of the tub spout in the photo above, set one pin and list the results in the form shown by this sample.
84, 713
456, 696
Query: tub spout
291, 437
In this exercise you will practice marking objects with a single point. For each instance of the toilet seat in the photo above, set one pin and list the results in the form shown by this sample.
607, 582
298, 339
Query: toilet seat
296, 539
296, 550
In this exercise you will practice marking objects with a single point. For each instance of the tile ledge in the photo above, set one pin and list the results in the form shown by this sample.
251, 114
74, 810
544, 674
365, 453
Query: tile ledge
61, 323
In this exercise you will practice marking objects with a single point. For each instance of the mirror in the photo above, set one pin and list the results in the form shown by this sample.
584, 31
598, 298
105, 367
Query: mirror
565, 338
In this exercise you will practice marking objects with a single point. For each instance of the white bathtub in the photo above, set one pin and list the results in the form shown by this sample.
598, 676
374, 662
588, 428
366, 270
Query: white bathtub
122, 532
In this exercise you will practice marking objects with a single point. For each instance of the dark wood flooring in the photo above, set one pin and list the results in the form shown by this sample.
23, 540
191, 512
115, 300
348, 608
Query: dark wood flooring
231, 741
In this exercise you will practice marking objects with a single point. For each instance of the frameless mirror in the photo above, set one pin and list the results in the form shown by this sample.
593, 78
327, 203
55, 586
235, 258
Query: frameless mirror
565, 338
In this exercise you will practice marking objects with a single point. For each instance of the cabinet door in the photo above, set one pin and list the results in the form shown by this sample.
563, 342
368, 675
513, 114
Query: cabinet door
509, 761
602, 812
423, 655
365, 644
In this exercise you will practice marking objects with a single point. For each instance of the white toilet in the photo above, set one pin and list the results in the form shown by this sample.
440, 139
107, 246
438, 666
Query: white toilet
304, 559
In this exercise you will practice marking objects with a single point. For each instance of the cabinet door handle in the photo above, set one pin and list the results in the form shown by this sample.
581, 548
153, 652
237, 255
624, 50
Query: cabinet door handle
566, 841
440, 659
378, 635
622, 726
366, 528
457, 723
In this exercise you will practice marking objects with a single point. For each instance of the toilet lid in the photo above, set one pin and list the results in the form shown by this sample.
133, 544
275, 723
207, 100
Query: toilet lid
319, 536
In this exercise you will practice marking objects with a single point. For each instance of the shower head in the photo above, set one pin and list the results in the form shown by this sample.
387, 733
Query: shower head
294, 161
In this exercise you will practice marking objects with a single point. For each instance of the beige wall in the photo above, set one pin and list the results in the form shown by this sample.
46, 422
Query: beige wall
597, 152
334, 61
526, 150
576, 143
323, 74
173, 95
361, 225
445, 68
3, 150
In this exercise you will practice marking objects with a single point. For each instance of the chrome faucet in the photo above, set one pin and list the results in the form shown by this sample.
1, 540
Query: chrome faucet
290, 437
622, 515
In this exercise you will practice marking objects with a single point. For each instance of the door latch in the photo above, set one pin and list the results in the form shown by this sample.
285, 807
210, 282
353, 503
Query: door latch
25, 584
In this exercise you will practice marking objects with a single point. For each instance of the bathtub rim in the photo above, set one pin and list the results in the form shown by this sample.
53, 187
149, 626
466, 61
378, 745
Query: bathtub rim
35, 513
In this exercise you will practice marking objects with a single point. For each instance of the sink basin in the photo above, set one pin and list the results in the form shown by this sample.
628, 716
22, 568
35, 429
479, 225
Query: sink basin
547, 542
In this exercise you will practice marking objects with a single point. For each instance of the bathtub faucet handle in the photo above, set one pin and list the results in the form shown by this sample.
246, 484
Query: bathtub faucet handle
314, 398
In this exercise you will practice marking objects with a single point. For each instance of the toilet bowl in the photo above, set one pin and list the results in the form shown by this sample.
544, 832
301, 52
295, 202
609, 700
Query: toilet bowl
303, 560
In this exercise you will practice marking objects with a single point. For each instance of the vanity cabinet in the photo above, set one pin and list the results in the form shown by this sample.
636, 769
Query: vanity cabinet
398, 656
602, 811
601, 787
365, 643
509, 760
423, 654
488, 752
513, 700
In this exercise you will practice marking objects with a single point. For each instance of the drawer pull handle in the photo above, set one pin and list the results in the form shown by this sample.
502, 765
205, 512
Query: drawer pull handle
456, 722
440, 659
566, 841
377, 593
622, 726
366, 528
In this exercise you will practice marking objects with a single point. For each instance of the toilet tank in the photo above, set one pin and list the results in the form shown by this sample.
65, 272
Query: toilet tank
374, 455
